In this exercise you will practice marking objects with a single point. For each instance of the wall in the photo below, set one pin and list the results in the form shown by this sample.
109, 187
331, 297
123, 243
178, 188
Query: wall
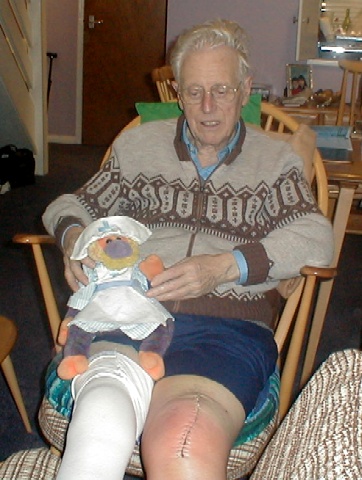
62, 20
269, 24
272, 36
326, 76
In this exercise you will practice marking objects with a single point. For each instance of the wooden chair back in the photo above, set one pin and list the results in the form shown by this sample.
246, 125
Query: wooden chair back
352, 70
163, 77
275, 119
299, 303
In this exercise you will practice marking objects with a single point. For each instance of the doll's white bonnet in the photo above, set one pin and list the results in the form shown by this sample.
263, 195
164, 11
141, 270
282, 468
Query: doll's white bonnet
117, 225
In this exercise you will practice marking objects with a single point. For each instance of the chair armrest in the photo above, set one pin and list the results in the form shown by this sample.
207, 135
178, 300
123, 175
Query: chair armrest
33, 238
296, 314
287, 287
323, 273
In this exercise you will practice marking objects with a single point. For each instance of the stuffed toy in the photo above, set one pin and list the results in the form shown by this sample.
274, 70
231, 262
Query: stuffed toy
114, 301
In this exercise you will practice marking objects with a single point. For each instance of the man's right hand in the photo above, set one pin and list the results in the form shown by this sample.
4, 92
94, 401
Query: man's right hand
73, 271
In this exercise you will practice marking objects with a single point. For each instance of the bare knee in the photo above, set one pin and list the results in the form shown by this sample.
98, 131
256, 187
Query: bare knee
190, 430
186, 422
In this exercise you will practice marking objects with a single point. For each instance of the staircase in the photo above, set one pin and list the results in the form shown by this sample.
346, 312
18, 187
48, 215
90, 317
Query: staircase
23, 110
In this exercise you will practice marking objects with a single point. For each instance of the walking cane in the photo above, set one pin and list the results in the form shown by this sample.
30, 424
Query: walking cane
51, 57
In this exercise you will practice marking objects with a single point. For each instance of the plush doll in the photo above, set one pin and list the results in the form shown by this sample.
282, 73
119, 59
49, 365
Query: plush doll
113, 303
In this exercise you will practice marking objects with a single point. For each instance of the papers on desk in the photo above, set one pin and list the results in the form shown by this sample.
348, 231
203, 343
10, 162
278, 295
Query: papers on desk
334, 142
330, 136
295, 101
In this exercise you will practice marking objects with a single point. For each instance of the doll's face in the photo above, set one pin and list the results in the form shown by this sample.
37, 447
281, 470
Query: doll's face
116, 246
114, 251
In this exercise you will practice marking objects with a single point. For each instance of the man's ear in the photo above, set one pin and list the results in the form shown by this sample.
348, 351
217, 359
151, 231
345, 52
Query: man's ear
176, 88
174, 85
247, 89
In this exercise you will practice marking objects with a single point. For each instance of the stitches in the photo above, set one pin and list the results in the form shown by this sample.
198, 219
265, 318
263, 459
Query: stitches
186, 437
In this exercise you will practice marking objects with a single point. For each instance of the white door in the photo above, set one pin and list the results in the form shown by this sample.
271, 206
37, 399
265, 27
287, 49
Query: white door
308, 24
22, 78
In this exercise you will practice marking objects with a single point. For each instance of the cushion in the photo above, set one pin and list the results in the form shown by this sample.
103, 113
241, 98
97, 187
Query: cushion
58, 391
164, 110
58, 394
242, 459
157, 111
262, 414
56, 407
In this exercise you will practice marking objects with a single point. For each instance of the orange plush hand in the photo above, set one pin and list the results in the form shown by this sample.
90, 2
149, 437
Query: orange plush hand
63, 331
151, 266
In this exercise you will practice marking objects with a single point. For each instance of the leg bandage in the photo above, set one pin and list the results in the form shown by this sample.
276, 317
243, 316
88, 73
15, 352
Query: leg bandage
111, 403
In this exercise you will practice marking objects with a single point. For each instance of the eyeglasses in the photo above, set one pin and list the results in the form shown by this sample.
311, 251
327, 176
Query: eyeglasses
194, 94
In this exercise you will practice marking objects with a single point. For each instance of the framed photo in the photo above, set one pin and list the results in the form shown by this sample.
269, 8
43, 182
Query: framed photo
299, 77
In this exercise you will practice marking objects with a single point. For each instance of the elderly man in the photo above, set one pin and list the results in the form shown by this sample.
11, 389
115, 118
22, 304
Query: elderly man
231, 215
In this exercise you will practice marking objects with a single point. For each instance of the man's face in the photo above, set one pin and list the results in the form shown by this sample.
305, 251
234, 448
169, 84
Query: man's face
211, 122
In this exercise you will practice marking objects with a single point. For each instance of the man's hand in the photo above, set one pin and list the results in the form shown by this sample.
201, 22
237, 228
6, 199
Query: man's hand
194, 276
73, 271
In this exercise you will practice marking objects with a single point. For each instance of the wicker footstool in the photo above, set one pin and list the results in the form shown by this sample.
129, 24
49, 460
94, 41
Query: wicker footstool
321, 436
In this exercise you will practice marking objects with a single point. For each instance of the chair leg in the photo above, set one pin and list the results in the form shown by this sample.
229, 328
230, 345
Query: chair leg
9, 373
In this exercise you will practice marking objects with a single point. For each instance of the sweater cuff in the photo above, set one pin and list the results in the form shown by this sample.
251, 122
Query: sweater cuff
243, 266
257, 261
64, 224
65, 232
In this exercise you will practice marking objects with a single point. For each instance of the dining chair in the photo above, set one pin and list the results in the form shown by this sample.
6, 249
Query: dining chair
8, 336
163, 77
291, 324
352, 70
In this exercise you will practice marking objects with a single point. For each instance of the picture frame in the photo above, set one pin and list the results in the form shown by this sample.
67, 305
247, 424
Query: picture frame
299, 77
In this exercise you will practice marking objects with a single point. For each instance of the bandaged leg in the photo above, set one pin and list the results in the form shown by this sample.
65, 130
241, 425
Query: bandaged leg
111, 403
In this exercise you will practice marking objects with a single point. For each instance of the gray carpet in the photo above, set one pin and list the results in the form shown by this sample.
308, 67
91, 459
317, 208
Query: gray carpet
20, 298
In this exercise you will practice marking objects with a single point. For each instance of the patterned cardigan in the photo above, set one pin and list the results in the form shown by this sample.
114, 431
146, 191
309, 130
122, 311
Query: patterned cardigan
257, 201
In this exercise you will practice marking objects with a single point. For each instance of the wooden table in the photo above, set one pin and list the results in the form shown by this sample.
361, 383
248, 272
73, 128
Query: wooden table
346, 178
314, 114
345, 181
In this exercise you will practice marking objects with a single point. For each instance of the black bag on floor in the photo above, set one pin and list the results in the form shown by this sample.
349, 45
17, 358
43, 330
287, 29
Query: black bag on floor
17, 166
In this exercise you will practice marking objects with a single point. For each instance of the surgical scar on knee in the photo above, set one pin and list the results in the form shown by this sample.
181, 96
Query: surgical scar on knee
185, 440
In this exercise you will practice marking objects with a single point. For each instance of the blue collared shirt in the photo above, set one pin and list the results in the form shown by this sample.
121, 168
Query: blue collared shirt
205, 172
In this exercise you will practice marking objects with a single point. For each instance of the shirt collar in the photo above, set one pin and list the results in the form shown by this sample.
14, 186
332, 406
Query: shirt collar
183, 152
222, 154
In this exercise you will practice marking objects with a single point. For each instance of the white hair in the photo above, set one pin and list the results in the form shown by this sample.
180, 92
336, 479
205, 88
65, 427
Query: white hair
211, 34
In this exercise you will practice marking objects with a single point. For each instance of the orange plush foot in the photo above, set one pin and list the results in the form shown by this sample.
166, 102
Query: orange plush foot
71, 366
153, 364
151, 266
